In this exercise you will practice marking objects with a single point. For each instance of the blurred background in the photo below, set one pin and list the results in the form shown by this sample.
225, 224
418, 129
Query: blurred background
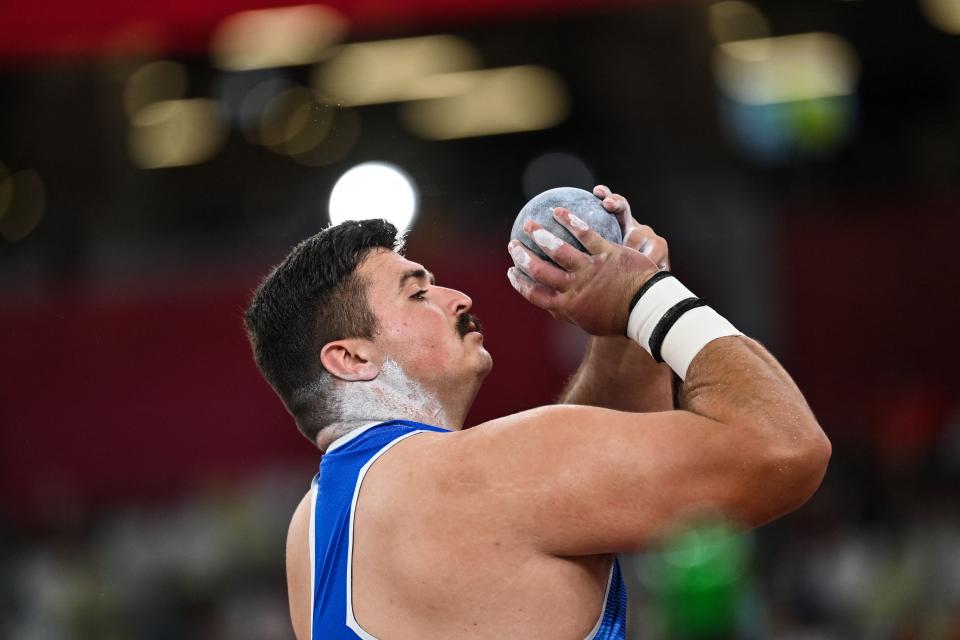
802, 158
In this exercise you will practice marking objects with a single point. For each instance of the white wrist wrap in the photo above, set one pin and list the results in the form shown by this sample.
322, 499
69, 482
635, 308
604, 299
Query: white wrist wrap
689, 325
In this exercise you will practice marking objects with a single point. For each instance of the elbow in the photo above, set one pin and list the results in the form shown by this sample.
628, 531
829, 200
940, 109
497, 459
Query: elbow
791, 471
817, 451
803, 466
816, 459
822, 451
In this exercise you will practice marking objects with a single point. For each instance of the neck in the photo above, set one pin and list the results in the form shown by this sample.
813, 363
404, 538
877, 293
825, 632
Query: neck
391, 395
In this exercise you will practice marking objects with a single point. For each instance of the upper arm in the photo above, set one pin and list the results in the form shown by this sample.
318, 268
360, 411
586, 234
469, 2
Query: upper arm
583, 480
298, 569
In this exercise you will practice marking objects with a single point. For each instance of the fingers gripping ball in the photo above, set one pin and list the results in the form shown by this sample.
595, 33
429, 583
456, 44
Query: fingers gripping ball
581, 203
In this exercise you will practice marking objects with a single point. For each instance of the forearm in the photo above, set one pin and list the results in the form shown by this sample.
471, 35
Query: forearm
736, 381
616, 373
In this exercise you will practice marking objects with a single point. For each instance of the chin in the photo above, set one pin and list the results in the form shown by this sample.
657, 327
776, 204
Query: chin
474, 370
485, 364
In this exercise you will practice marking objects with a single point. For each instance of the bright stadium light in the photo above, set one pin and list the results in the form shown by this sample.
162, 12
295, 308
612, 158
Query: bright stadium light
374, 190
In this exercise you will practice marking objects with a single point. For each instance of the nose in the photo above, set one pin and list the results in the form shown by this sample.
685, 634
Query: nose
458, 302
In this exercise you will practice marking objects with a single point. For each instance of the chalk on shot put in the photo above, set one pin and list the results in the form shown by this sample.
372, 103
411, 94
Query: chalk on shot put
583, 204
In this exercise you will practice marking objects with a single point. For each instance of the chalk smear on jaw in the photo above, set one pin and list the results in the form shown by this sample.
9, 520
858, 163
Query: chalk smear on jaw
391, 395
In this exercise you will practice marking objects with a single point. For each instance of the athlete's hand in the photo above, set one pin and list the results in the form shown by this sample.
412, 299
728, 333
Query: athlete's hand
635, 235
592, 290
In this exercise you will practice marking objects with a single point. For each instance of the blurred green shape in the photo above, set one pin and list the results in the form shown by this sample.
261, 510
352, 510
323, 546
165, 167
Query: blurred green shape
698, 581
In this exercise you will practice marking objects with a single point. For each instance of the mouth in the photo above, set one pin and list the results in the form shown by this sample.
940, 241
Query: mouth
467, 324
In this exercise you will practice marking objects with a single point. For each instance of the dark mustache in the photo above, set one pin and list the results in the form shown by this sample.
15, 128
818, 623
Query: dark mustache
464, 321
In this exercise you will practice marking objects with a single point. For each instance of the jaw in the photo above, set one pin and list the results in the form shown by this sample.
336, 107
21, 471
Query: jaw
435, 384
465, 391
390, 395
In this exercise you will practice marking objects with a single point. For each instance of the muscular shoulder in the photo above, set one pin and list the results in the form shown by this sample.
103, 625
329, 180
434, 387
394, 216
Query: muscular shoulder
464, 475
435, 492
298, 568
438, 465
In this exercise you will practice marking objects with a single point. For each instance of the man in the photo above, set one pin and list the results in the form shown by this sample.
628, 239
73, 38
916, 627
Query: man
418, 528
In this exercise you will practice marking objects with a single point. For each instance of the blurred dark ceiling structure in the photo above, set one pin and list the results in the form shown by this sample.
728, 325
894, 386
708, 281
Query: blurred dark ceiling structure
49, 28
644, 111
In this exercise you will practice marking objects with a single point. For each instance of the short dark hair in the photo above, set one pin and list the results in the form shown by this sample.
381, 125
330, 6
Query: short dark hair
311, 298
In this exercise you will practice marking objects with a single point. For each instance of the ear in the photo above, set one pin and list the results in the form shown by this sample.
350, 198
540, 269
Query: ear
353, 359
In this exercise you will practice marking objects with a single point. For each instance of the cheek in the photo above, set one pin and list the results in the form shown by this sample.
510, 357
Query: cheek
423, 341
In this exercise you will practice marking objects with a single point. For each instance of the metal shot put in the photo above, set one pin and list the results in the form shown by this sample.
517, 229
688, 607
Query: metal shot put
417, 527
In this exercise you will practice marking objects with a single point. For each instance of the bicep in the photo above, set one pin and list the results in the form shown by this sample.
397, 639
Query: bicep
582, 480
298, 569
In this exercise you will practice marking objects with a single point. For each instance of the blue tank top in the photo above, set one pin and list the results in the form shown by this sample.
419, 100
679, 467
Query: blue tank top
333, 499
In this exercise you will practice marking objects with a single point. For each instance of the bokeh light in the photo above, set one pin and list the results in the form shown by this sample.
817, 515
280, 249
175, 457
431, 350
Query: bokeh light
23, 199
788, 68
374, 190
389, 70
733, 20
788, 97
288, 115
277, 37
492, 101
788, 131
943, 14
312, 149
153, 82
247, 97
698, 580
173, 133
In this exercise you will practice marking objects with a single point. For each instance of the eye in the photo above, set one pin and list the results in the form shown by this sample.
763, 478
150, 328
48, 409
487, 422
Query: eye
420, 295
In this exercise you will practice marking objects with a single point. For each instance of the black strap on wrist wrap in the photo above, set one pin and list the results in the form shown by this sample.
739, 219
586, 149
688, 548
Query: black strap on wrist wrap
652, 280
668, 320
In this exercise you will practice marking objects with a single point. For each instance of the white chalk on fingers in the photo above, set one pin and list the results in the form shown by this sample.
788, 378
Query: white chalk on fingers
547, 240
577, 223
512, 277
520, 257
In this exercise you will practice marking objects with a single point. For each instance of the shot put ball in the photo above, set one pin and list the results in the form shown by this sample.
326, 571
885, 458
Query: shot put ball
583, 204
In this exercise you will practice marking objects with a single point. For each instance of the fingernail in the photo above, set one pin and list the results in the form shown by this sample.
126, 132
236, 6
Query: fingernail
519, 256
577, 223
610, 202
547, 240
513, 279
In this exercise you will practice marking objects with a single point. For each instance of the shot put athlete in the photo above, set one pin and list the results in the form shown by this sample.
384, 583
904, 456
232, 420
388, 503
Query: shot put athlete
418, 528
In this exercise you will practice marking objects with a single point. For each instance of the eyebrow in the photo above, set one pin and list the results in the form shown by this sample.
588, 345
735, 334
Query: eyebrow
419, 274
